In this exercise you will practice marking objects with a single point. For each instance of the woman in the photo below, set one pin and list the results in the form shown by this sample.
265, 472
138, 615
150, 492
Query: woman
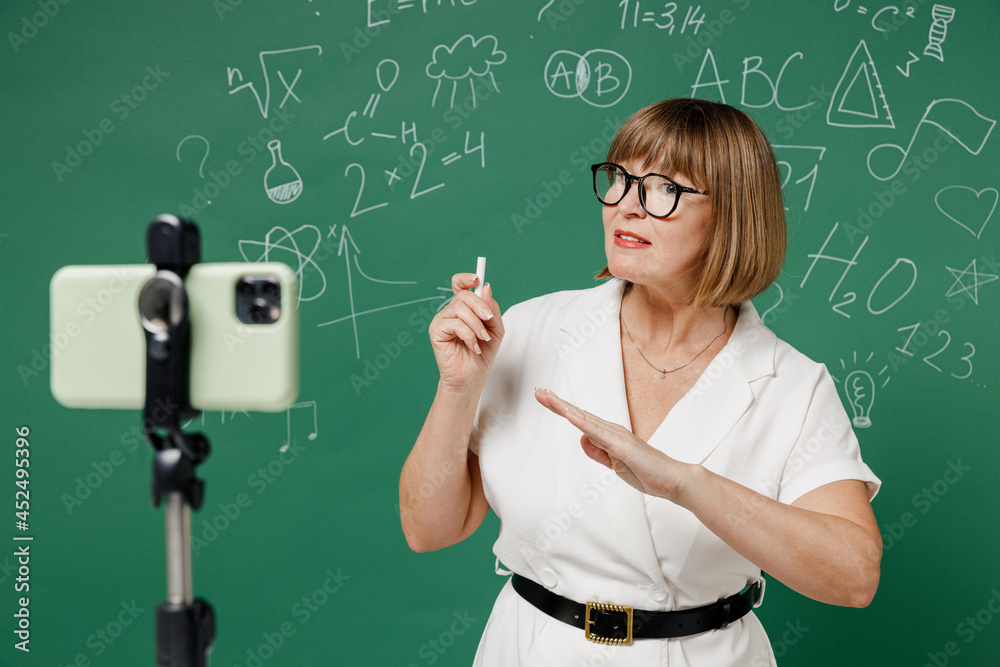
722, 451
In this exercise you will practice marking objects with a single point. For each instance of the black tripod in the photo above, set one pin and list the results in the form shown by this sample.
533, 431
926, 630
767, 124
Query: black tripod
185, 626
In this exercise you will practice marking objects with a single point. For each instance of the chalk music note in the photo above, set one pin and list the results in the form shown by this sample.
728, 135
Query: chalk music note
944, 114
288, 423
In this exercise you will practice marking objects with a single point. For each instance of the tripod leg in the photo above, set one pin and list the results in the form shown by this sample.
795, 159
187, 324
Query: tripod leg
184, 634
185, 627
178, 524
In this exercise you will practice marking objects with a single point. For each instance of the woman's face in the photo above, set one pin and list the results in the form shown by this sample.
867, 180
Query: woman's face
664, 254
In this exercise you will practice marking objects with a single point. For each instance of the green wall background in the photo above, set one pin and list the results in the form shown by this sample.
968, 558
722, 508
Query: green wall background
115, 112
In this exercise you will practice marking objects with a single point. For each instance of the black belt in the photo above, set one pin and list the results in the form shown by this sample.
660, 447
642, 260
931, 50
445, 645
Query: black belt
618, 624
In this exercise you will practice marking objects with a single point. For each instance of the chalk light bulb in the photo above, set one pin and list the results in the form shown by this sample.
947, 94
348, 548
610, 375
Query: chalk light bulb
860, 389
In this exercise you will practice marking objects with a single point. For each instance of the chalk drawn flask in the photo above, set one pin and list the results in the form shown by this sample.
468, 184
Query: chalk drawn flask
282, 183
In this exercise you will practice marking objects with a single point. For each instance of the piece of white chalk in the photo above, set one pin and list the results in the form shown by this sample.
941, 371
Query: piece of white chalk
481, 274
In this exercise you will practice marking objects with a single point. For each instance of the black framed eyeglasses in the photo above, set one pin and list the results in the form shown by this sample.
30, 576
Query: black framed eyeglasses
658, 194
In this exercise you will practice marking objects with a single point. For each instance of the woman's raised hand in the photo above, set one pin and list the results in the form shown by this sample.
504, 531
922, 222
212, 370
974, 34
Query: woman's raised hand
465, 335
639, 464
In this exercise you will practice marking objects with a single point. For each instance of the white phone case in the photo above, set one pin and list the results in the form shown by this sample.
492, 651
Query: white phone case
99, 346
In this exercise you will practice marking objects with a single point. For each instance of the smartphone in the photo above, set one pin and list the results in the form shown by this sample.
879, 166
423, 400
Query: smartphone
244, 336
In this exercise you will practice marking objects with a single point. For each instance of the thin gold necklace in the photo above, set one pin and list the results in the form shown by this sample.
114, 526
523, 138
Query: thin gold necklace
663, 371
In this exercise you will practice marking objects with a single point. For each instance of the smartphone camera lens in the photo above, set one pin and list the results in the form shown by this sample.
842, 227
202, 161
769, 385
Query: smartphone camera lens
258, 299
245, 289
258, 312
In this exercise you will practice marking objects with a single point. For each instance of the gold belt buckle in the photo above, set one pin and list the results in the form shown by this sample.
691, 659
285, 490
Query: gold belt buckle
600, 606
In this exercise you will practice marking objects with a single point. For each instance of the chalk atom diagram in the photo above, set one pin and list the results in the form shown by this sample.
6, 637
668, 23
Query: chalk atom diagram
278, 243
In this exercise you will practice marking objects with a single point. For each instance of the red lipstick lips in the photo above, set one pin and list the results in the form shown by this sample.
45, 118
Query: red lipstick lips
626, 239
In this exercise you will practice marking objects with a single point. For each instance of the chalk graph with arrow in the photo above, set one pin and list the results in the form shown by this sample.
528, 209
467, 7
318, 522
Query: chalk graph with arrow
348, 249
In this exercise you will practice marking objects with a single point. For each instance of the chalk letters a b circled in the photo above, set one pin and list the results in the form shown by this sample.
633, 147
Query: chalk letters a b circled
568, 74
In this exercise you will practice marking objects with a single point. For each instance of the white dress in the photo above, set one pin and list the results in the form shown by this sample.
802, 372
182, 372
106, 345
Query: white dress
761, 414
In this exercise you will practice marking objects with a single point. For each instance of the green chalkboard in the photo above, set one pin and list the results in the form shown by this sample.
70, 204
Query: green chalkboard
377, 147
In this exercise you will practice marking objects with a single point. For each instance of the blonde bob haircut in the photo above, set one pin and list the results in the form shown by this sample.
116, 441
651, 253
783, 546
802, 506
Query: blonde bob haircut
721, 150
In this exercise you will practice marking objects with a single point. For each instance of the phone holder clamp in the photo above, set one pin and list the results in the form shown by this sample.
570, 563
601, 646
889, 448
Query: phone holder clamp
185, 627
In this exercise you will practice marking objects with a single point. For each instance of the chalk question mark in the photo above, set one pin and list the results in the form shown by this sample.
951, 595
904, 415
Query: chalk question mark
201, 166
781, 297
